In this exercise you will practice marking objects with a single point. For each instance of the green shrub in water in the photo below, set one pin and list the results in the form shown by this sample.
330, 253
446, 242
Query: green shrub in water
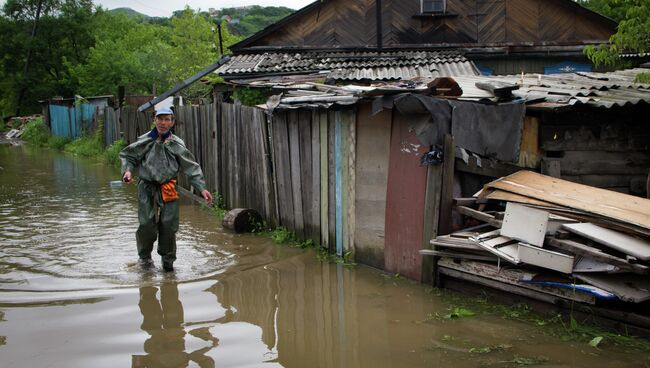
57, 142
87, 146
112, 153
35, 132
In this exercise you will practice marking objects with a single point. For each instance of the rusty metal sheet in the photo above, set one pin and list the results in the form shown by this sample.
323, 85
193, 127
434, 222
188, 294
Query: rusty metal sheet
405, 200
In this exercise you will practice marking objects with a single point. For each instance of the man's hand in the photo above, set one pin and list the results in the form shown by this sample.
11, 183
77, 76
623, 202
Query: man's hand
127, 178
207, 196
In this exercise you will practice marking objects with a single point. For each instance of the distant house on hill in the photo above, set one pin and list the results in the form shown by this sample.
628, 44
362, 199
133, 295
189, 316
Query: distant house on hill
499, 36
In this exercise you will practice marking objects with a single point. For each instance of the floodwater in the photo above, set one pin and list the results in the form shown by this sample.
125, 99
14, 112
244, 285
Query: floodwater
71, 296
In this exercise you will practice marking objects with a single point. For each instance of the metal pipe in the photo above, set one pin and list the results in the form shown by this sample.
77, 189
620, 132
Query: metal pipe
184, 84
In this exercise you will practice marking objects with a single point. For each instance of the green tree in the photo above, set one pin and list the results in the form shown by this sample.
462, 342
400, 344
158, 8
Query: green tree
194, 44
135, 55
633, 33
63, 34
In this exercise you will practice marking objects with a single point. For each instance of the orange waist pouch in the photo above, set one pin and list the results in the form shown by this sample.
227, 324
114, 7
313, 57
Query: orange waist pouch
168, 191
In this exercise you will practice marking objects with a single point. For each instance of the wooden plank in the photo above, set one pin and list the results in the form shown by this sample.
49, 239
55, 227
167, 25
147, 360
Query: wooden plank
294, 152
316, 178
282, 161
625, 208
351, 187
500, 195
504, 278
530, 154
431, 221
447, 190
587, 251
498, 88
331, 151
525, 224
324, 179
629, 288
481, 216
305, 171
616, 240
338, 132
604, 163
457, 255
270, 193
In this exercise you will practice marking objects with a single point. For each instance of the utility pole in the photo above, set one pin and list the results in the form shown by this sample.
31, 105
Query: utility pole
23, 87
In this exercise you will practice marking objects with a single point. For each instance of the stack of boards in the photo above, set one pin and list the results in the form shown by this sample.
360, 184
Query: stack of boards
556, 238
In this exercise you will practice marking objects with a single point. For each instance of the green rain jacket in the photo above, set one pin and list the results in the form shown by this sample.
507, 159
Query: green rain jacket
160, 161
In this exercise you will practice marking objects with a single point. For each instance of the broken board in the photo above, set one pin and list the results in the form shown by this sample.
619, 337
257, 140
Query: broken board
616, 240
525, 224
586, 264
545, 258
502, 247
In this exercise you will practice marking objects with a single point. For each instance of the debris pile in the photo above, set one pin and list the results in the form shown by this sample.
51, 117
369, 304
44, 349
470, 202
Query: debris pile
549, 238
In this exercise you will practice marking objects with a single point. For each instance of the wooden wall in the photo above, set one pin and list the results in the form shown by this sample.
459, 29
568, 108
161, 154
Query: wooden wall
341, 23
603, 148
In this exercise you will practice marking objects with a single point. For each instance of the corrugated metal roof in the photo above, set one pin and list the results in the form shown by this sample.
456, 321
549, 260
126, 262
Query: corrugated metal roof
597, 89
395, 65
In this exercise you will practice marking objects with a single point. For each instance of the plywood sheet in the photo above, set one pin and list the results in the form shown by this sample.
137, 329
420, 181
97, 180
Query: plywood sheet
622, 207
525, 224
500, 195
627, 244
373, 147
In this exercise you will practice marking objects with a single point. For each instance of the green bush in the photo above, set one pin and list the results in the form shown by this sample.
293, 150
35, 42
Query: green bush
112, 153
36, 132
88, 146
57, 143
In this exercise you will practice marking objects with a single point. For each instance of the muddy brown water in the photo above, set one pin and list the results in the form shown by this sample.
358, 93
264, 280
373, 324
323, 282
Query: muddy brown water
71, 297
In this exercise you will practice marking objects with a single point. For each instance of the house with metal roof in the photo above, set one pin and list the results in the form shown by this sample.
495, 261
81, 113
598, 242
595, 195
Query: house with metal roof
389, 39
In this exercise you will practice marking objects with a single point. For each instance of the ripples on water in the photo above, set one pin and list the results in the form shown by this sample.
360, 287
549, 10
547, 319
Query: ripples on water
60, 218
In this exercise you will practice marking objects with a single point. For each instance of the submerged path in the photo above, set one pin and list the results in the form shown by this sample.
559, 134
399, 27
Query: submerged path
70, 295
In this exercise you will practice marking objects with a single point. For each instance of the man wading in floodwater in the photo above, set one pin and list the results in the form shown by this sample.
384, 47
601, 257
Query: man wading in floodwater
159, 156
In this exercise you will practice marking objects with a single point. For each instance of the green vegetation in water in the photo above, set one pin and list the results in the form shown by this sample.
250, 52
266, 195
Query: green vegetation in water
490, 349
37, 133
553, 325
459, 312
112, 153
324, 255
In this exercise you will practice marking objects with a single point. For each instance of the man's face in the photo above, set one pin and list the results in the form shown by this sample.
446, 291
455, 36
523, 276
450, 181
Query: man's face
164, 123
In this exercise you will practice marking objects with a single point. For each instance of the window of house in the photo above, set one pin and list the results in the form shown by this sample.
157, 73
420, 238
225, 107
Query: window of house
433, 6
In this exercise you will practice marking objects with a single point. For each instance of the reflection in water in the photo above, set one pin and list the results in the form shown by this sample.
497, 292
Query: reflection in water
163, 321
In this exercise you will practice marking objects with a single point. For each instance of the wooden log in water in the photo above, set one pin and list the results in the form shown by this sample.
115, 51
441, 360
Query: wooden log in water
242, 220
